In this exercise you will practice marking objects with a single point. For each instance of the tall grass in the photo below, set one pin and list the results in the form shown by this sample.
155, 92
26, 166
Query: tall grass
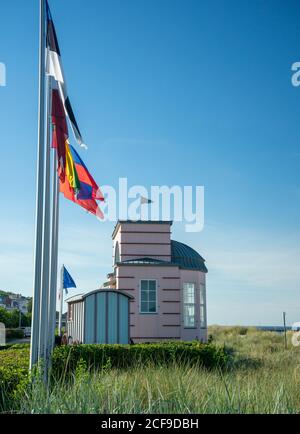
263, 378
160, 390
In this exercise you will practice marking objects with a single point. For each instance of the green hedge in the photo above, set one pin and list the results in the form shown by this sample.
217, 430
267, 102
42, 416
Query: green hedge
14, 361
14, 334
66, 359
14, 364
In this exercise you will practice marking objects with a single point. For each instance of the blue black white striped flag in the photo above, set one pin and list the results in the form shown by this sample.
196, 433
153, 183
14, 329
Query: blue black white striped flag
54, 69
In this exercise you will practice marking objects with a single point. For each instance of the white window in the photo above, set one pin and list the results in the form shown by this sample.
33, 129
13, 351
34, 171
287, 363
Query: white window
202, 307
148, 296
189, 305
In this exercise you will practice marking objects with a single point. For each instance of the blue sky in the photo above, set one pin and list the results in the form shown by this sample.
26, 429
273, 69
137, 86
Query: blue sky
193, 92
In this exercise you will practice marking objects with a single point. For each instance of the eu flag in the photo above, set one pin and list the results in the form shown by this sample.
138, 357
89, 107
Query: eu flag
68, 280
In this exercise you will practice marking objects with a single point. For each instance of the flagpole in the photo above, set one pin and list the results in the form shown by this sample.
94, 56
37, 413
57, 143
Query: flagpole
45, 292
54, 251
39, 194
61, 301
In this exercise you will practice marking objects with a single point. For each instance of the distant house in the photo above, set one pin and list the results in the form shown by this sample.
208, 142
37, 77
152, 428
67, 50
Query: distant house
22, 304
164, 280
2, 304
15, 302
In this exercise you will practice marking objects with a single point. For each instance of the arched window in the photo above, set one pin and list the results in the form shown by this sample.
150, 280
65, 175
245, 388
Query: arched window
117, 253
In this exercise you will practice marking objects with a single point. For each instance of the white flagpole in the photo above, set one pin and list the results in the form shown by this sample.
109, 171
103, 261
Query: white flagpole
44, 312
61, 301
39, 194
54, 252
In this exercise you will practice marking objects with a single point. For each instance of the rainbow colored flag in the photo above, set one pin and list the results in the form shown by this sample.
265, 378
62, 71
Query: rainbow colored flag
88, 186
76, 182
71, 171
87, 191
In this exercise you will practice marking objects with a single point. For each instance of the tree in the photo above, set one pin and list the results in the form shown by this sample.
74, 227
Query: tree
11, 319
26, 320
29, 306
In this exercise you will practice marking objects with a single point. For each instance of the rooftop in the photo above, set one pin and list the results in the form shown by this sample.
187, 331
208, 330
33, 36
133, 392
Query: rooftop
186, 257
181, 255
80, 297
144, 222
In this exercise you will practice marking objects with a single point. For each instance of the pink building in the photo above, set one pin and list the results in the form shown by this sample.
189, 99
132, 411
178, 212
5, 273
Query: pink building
166, 279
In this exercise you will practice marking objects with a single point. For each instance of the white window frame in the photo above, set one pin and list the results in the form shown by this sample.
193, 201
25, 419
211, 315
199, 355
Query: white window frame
202, 305
140, 296
189, 304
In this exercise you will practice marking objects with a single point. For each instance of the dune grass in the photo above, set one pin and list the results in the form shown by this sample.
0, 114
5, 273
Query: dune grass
262, 377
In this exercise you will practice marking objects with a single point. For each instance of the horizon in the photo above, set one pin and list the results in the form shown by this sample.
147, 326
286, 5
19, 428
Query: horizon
209, 325
212, 105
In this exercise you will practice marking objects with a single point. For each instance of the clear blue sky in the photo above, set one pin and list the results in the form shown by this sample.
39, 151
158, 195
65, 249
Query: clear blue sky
200, 87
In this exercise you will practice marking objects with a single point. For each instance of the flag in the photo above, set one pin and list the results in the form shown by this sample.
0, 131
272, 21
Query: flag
68, 281
88, 191
145, 201
88, 187
71, 171
60, 141
60, 132
54, 68
90, 205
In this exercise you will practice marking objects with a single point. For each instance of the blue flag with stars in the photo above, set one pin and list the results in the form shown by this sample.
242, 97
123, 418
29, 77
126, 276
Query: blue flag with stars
68, 280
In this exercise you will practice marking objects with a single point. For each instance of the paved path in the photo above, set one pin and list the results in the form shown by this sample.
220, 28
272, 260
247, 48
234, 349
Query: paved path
18, 341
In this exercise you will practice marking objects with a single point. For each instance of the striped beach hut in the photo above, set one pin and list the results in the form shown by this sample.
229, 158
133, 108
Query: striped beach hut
99, 317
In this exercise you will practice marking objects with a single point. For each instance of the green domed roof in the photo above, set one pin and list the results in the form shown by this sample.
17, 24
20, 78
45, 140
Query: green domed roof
186, 257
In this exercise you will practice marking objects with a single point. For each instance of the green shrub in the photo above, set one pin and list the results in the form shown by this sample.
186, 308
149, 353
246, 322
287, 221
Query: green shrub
14, 334
18, 346
14, 364
242, 331
11, 319
77, 360
66, 358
